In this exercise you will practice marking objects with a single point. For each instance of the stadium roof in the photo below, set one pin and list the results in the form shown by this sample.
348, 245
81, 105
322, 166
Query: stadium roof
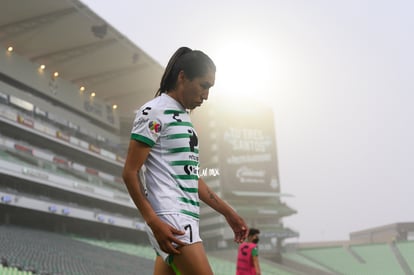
67, 37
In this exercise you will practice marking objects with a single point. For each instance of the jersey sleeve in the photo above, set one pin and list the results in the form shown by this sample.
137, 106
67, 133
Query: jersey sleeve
255, 252
147, 126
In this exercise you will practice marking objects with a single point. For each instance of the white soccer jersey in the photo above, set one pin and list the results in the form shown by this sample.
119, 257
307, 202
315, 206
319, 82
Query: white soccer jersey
171, 174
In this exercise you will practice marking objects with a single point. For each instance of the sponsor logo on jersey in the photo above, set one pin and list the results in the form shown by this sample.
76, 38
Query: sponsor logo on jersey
154, 126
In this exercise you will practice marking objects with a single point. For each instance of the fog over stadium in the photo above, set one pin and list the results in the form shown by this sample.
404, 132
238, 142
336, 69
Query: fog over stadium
338, 75
307, 134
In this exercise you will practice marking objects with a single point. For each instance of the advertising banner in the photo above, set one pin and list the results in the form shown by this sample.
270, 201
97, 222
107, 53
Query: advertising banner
247, 150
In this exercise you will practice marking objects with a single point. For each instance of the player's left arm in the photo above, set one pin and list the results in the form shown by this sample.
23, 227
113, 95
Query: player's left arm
256, 264
234, 220
255, 258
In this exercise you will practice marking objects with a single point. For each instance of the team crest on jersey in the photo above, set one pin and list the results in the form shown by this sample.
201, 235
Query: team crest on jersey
154, 126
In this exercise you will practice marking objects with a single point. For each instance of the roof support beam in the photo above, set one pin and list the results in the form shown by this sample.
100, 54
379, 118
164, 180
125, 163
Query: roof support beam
108, 75
65, 55
13, 29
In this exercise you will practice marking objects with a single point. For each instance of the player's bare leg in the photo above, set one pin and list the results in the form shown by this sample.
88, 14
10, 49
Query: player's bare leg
162, 268
192, 260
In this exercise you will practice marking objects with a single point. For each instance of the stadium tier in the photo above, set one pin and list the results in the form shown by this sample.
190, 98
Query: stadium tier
42, 252
50, 253
64, 130
69, 87
373, 258
53, 166
406, 248
29, 251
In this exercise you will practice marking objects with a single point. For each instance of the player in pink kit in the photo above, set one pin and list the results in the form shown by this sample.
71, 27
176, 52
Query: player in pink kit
248, 256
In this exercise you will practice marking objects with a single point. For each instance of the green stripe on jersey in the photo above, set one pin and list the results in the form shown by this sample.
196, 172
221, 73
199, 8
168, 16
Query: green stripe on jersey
143, 139
182, 149
184, 162
189, 190
180, 123
176, 136
189, 213
170, 112
196, 203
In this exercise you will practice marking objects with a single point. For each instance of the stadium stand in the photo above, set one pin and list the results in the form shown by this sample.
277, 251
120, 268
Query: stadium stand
63, 206
407, 251
300, 263
30, 155
13, 271
62, 144
378, 259
373, 258
335, 259
223, 263
44, 252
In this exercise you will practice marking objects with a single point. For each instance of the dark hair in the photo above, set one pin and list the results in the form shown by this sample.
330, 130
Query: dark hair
194, 63
253, 231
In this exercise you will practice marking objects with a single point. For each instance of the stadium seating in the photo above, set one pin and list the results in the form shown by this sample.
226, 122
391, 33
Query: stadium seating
13, 271
335, 258
43, 252
219, 266
56, 129
364, 259
379, 259
301, 259
25, 251
142, 251
407, 251
42, 159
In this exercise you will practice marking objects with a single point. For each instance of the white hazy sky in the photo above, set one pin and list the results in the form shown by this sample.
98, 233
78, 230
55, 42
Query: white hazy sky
340, 76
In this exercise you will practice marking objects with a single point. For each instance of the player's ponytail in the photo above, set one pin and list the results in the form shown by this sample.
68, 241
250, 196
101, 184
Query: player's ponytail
193, 63
168, 79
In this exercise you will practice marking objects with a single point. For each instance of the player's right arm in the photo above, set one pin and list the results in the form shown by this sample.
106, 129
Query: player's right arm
138, 152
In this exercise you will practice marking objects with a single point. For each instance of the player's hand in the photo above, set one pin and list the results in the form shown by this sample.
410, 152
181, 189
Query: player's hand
165, 235
238, 225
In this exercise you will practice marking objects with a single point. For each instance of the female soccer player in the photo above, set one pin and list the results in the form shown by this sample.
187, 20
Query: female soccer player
168, 194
